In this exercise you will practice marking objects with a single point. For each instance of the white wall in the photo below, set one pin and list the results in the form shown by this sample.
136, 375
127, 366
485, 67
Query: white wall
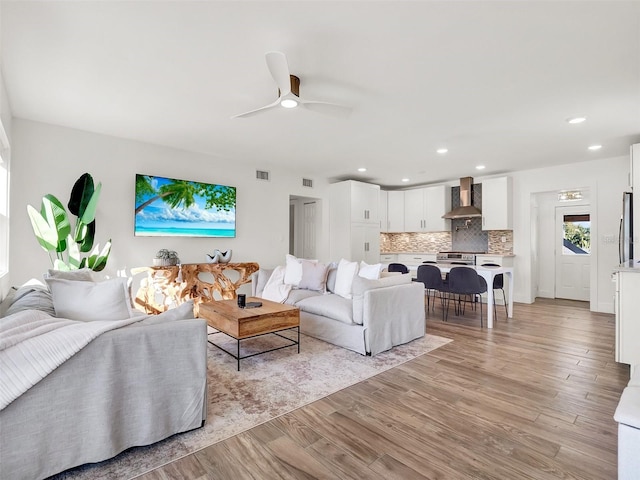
606, 180
49, 159
5, 142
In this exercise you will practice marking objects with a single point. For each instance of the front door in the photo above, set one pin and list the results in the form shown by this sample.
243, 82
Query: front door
573, 252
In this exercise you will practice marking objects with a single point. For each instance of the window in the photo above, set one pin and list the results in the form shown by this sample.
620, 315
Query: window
576, 234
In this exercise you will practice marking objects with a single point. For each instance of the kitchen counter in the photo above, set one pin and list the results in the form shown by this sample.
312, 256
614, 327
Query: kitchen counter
628, 266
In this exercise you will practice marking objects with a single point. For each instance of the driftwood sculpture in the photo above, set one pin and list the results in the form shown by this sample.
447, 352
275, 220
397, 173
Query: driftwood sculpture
167, 287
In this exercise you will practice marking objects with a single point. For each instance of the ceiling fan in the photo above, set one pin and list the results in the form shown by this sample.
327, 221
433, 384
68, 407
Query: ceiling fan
289, 91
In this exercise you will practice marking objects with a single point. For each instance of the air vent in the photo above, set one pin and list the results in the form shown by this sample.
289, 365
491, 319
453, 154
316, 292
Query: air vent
307, 182
262, 175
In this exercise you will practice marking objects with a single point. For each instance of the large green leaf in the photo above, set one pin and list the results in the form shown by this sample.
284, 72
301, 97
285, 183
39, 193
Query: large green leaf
74, 254
88, 235
46, 235
89, 214
97, 261
81, 194
56, 216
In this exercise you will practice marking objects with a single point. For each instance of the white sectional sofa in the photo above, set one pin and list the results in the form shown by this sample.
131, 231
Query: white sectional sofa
381, 314
628, 417
130, 386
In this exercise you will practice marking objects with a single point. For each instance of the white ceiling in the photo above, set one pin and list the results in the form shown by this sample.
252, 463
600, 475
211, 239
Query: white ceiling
493, 82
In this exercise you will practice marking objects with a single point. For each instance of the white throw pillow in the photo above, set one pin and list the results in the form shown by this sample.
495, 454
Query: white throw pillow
372, 272
314, 276
293, 271
88, 301
344, 277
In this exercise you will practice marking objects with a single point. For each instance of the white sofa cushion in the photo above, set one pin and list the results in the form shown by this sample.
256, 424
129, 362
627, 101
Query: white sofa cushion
87, 301
331, 305
344, 277
361, 285
372, 272
314, 276
293, 270
299, 294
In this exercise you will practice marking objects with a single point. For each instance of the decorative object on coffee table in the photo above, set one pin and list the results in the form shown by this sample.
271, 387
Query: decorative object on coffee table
170, 286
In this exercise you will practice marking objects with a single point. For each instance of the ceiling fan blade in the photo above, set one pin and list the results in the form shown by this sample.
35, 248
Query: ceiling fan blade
277, 64
326, 107
258, 110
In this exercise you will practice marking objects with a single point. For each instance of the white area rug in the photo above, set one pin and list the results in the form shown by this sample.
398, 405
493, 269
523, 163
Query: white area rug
266, 387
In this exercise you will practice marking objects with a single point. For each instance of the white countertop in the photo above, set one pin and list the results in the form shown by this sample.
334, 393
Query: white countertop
628, 266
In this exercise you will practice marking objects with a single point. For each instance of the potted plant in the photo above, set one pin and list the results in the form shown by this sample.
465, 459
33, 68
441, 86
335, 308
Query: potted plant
52, 228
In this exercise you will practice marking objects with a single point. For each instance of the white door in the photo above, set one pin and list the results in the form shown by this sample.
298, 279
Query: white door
573, 252
309, 230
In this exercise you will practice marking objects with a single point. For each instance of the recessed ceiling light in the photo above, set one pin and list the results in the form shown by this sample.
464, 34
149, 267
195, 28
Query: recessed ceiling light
362, 169
442, 150
405, 179
595, 147
479, 167
289, 103
575, 120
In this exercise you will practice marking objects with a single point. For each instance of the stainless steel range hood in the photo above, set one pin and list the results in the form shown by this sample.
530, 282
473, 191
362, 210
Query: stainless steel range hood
465, 210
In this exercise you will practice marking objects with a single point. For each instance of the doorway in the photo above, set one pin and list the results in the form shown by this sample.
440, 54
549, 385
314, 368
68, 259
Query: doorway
304, 226
573, 252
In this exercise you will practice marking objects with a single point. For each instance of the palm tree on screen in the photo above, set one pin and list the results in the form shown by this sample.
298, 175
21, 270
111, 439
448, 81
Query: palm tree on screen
182, 193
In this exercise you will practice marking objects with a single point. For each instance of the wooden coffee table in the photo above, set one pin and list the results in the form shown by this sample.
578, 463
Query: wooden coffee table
243, 323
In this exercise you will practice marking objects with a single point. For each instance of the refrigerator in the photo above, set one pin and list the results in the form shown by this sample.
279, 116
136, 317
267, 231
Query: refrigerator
625, 239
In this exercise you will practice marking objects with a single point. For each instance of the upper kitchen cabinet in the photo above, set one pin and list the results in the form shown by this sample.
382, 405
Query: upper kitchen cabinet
424, 207
364, 199
395, 211
383, 211
497, 204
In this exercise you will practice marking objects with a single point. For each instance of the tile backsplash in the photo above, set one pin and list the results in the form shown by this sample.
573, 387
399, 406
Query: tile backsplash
415, 242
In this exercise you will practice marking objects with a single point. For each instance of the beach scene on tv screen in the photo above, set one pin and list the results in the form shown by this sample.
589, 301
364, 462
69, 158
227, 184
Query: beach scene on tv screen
183, 208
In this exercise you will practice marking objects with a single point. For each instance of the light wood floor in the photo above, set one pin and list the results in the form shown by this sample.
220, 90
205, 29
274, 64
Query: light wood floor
532, 398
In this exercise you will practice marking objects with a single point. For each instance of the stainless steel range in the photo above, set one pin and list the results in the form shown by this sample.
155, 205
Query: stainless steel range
464, 258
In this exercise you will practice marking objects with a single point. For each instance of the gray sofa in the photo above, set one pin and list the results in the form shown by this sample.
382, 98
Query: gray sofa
382, 314
628, 417
131, 386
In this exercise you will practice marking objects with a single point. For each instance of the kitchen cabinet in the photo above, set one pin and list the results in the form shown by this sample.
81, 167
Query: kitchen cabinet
388, 258
497, 204
415, 259
354, 223
627, 320
424, 207
365, 243
383, 211
395, 211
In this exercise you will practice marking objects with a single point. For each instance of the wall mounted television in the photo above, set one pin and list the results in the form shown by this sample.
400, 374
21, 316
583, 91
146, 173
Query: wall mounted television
181, 208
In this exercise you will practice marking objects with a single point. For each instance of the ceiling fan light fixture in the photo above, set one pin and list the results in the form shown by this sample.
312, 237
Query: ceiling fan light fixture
289, 103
